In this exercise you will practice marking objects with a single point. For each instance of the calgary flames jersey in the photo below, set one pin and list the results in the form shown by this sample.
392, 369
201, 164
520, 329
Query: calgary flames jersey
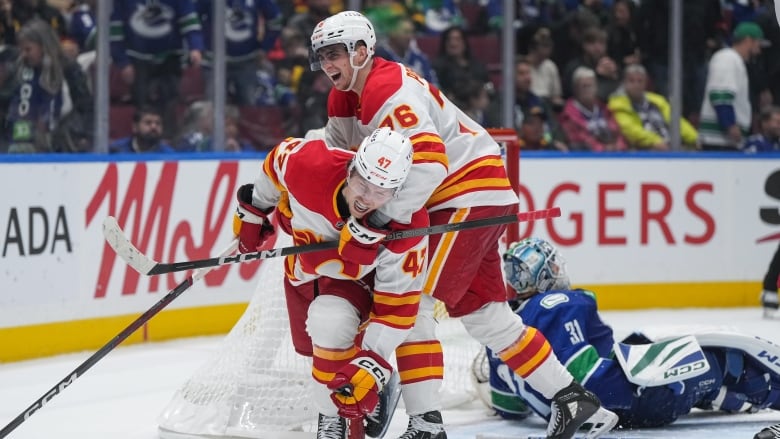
457, 164
303, 179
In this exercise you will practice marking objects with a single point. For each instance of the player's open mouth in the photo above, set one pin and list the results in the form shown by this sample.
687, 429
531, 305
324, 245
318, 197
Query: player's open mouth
359, 207
335, 77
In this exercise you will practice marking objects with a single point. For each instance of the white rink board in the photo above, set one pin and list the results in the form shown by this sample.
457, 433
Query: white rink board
184, 207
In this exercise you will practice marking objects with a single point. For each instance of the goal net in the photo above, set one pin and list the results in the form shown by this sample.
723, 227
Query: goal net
256, 386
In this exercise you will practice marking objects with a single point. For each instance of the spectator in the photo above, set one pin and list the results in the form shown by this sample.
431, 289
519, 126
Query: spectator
568, 35
726, 113
527, 104
768, 136
251, 30
644, 116
454, 64
700, 36
594, 56
622, 40
304, 22
7, 31
474, 99
147, 134
399, 46
587, 122
147, 46
81, 25
23, 11
46, 87
545, 79
534, 134
198, 129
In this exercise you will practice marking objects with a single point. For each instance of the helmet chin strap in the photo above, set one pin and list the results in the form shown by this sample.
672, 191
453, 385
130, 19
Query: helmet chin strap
355, 68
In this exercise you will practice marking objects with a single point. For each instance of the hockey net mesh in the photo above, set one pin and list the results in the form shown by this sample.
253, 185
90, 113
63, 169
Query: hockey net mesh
255, 384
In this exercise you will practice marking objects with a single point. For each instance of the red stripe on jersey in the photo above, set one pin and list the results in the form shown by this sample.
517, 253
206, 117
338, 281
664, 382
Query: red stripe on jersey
326, 362
483, 174
395, 310
527, 353
420, 361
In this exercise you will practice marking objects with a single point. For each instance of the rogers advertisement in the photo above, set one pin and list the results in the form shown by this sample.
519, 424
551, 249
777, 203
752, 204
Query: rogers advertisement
625, 221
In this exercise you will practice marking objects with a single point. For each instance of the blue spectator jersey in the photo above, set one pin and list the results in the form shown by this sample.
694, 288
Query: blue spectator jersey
583, 343
125, 146
241, 27
153, 30
759, 143
82, 27
32, 107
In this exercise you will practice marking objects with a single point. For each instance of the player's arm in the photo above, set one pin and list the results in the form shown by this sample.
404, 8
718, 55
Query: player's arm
256, 201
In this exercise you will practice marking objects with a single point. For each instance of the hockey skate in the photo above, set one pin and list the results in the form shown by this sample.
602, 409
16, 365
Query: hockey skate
379, 420
331, 427
573, 407
769, 301
771, 432
425, 426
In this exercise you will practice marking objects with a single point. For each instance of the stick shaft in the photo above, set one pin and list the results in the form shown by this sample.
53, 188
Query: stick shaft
163, 268
108, 347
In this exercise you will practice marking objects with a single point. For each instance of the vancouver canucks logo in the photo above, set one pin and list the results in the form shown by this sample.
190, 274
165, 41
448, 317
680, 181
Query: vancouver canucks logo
153, 20
238, 25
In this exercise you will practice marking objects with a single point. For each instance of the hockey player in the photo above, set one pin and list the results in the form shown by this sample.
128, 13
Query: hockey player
646, 384
319, 193
771, 432
458, 174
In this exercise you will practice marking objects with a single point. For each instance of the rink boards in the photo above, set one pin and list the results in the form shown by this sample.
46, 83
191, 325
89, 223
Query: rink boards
642, 231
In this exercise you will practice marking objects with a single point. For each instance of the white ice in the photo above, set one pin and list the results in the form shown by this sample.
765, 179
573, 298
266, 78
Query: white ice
122, 395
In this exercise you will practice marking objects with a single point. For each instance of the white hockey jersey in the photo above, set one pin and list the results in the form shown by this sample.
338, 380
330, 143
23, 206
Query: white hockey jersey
303, 179
456, 162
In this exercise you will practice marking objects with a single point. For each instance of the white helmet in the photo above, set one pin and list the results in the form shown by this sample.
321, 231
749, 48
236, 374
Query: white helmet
384, 158
345, 28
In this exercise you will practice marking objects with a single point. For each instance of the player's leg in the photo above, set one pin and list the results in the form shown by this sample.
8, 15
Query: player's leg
421, 368
333, 322
466, 275
771, 284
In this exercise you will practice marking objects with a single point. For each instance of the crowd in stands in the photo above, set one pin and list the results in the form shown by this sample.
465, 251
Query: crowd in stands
590, 75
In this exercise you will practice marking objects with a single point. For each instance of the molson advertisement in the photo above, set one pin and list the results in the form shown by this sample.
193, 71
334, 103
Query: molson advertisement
688, 231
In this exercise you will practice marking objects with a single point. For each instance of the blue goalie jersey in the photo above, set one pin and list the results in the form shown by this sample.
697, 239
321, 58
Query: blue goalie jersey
583, 343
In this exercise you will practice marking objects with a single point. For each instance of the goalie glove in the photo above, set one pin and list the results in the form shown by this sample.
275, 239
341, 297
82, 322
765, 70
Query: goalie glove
250, 223
356, 386
359, 242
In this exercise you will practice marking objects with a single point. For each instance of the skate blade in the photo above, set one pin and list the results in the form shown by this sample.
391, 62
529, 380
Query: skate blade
600, 423
771, 313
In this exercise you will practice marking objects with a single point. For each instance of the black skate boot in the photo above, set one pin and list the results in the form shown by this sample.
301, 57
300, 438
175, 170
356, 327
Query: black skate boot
769, 301
574, 406
425, 426
771, 432
379, 420
331, 427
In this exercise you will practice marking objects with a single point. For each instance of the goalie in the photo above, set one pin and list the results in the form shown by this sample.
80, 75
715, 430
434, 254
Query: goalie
646, 384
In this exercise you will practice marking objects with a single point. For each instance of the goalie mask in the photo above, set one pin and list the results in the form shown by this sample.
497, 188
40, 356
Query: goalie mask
384, 158
534, 265
347, 28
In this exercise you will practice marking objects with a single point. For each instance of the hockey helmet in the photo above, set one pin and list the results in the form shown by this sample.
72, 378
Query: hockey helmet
534, 265
384, 158
347, 28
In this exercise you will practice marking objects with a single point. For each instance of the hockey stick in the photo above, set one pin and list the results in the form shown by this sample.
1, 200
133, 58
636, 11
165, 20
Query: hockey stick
145, 265
108, 347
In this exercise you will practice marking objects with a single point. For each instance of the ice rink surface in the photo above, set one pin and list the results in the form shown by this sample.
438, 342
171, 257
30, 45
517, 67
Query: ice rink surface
122, 395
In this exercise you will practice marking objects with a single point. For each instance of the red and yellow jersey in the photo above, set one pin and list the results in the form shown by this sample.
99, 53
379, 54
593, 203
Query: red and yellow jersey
456, 162
303, 178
